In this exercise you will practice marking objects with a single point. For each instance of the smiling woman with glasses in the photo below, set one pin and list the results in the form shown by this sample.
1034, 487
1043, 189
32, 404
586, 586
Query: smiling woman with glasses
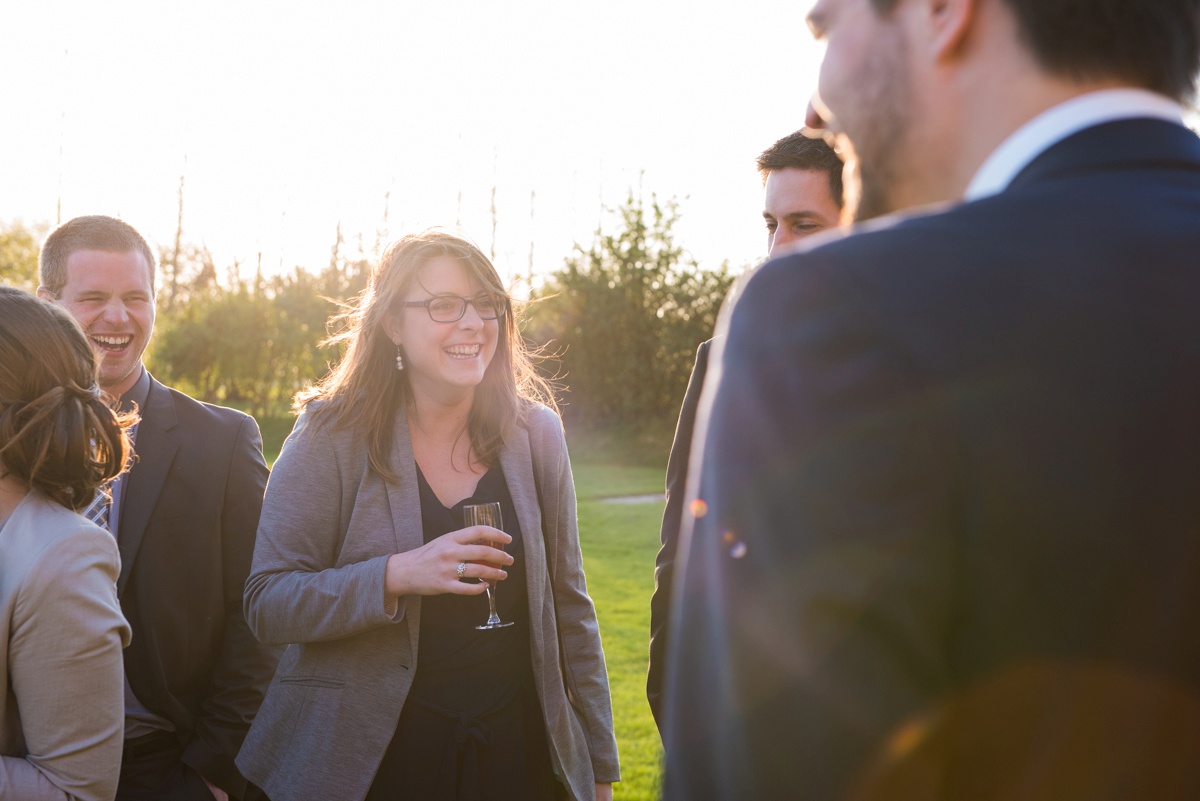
366, 569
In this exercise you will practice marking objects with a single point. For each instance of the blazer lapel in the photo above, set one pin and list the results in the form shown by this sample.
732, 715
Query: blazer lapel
405, 505
516, 459
156, 447
403, 499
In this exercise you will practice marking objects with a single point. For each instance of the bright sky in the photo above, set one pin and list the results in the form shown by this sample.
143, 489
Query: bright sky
293, 117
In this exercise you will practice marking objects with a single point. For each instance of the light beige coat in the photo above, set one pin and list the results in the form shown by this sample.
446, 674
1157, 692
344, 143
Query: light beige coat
62, 713
328, 526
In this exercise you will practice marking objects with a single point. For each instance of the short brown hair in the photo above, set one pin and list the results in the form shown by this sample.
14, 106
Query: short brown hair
1154, 44
94, 232
796, 151
57, 432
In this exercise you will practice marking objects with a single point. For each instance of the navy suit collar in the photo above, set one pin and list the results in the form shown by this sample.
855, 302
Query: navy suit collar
1141, 143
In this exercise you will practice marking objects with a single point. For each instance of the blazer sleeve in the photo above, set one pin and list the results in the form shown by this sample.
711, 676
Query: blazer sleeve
584, 669
664, 563
244, 666
66, 672
817, 591
297, 590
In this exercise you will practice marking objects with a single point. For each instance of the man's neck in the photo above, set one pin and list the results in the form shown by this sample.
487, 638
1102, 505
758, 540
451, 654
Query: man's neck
117, 391
982, 126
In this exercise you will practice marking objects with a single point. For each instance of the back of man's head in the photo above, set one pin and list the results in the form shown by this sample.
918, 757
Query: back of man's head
93, 232
1153, 44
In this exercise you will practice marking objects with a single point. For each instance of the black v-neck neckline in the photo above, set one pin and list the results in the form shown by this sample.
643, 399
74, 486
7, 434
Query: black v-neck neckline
455, 509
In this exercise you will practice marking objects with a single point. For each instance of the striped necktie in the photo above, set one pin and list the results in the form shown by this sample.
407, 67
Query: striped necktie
97, 510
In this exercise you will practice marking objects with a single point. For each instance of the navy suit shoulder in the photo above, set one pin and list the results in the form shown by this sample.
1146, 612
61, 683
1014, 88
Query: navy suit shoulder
949, 469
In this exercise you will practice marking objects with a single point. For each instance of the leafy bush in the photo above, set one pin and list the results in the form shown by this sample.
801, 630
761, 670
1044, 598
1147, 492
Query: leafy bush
622, 319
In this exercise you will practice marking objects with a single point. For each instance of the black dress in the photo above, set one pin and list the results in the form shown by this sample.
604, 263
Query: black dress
472, 728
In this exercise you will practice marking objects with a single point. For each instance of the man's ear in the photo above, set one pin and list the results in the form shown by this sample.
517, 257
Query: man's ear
950, 24
46, 294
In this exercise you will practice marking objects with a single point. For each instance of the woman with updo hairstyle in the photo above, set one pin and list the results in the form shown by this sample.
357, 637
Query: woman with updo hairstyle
366, 567
62, 712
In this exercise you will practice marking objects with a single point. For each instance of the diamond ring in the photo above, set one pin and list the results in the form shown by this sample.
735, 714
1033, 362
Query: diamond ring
462, 568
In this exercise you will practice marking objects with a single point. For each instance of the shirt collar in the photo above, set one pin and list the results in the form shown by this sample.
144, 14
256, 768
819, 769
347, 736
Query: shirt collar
1057, 123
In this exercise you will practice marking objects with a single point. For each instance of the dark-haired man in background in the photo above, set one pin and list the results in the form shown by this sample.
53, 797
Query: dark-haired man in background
951, 548
802, 188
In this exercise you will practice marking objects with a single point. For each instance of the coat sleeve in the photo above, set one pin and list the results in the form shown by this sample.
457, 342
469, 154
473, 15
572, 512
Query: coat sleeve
584, 669
65, 670
297, 590
244, 666
664, 563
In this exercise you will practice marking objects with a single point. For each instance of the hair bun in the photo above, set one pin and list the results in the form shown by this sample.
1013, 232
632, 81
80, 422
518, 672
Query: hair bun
85, 394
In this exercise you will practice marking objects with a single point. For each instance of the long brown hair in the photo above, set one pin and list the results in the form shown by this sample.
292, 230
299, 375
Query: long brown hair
57, 432
364, 391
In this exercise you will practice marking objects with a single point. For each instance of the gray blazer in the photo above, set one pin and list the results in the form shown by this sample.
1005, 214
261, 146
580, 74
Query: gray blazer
328, 525
62, 709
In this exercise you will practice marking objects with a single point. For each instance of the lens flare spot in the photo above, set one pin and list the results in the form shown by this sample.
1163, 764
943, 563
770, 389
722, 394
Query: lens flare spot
699, 508
906, 739
738, 550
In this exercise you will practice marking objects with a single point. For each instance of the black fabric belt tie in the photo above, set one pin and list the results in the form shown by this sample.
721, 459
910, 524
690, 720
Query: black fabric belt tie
470, 734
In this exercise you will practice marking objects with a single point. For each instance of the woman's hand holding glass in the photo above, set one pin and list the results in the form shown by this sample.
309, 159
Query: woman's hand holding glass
433, 569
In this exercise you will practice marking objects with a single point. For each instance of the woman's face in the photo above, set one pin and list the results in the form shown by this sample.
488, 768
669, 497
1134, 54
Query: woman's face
444, 361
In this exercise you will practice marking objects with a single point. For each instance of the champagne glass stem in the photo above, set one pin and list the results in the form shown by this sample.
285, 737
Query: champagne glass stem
493, 618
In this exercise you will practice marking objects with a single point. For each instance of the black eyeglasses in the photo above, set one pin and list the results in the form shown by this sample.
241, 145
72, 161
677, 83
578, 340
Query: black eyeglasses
451, 308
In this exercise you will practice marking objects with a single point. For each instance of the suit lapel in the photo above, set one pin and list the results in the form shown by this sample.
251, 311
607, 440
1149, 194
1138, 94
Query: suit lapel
516, 460
402, 495
405, 505
156, 447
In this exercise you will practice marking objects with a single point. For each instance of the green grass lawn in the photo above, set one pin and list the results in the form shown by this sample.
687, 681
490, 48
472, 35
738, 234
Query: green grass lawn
619, 544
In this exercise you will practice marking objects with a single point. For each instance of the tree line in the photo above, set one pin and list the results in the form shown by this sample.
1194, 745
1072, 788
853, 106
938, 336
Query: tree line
616, 325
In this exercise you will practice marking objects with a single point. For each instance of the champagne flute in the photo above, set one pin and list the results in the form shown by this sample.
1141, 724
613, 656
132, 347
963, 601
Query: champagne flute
486, 514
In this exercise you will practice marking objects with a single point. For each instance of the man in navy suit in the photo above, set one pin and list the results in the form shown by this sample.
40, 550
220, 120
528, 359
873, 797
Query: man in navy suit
185, 517
802, 196
947, 543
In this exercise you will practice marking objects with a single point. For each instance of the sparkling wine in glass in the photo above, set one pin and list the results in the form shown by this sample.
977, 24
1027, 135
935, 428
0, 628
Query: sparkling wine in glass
487, 514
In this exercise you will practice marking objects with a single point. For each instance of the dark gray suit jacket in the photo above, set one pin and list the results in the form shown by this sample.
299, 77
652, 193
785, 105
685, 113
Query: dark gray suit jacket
952, 468
186, 536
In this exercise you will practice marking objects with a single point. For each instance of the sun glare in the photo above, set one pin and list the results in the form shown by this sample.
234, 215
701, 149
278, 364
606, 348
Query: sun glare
286, 121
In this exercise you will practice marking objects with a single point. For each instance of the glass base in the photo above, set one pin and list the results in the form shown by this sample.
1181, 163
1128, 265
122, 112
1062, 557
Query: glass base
490, 625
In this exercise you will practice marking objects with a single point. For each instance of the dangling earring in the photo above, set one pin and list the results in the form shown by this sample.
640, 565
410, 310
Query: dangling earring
399, 359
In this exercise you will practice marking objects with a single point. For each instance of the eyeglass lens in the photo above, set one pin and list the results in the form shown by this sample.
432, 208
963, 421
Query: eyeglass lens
451, 308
